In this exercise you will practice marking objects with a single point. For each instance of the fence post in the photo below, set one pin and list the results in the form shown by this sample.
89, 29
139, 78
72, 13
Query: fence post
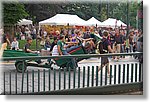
69, 79
4, 83
74, 77
92, 75
10, 82
16, 81
123, 80
22, 75
132, 65
119, 73
83, 76
49, 74
78, 77
140, 72
88, 75
114, 74
64, 78
101, 76
135, 72
127, 73
32, 80
96, 75
38, 80
54, 79
27, 81
59, 78
44, 80
106, 74
110, 79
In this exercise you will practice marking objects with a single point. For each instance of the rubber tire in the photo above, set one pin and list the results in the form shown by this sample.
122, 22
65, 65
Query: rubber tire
19, 66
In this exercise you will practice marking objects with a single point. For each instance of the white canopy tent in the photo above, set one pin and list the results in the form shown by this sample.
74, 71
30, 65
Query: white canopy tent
93, 22
119, 22
63, 19
24, 22
111, 22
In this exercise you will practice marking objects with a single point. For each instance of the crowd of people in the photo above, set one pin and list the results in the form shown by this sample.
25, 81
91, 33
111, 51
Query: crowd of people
25, 31
112, 40
119, 40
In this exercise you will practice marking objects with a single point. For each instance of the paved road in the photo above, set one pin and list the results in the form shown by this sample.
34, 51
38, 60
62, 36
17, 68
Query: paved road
9, 67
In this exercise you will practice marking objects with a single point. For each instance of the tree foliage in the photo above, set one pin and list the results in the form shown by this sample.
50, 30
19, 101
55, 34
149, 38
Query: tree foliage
13, 12
85, 10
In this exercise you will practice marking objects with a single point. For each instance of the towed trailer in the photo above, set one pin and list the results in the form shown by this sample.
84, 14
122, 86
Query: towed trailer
21, 65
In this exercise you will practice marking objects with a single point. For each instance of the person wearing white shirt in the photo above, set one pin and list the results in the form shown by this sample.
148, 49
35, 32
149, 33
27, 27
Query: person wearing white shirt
15, 45
55, 51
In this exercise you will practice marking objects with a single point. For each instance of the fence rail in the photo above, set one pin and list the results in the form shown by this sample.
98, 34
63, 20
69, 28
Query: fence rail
48, 80
70, 56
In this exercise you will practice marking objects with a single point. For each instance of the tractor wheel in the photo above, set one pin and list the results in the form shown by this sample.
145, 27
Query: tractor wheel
19, 66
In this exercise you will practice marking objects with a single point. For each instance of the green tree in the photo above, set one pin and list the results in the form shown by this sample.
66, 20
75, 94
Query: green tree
39, 12
13, 12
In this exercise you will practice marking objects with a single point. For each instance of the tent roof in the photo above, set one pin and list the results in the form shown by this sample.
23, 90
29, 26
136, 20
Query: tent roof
24, 22
93, 21
111, 22
121, 23
63, 19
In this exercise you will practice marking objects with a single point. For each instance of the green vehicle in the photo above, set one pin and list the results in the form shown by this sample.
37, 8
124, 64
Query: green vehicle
63, 63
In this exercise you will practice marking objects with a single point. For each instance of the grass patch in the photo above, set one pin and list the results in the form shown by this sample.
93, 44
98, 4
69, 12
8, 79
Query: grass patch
33, 45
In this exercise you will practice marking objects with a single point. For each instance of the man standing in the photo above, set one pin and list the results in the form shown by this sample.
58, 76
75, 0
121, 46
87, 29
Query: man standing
123, 39
117, 42
106, 48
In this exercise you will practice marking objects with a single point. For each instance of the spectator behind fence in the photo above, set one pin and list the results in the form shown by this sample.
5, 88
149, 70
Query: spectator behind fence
54, 43
47, 43
33, 33
123, 39
15, 44
131, 41
5, 42
117, 43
